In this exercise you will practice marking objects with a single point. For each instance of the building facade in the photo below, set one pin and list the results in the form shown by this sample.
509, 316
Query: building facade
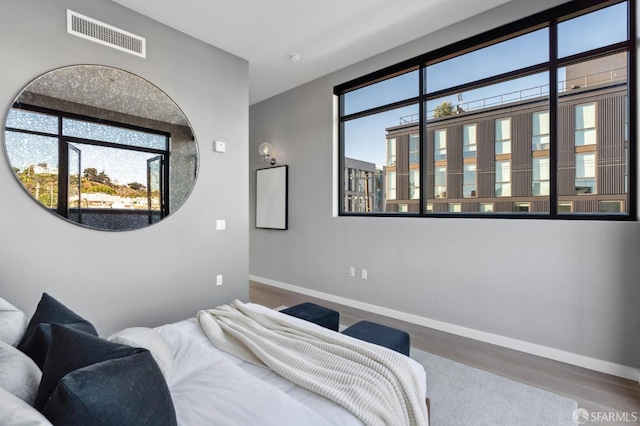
497, 158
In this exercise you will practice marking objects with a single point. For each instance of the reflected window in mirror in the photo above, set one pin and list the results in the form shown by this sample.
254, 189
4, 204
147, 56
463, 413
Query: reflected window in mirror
101, 147
89, 172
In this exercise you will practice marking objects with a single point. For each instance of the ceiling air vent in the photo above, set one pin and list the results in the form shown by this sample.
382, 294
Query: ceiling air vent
85, 27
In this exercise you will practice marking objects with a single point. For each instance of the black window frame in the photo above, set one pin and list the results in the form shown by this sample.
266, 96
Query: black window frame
549, 18
64, 140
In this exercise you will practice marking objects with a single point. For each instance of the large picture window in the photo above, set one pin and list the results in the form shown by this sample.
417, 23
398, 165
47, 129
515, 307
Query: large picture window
526, 120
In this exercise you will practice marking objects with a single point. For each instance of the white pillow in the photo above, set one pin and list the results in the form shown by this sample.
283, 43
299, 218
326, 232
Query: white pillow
16, 412
150, 339
19, 375
13, 323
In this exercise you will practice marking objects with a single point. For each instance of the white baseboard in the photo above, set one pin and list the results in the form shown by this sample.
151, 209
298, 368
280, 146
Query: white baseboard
507, 342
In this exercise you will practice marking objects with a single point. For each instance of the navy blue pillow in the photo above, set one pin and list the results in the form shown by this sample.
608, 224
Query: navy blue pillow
37, 337
89, 380
70, 350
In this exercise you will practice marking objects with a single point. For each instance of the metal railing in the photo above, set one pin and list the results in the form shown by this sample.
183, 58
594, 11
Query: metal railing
590, 80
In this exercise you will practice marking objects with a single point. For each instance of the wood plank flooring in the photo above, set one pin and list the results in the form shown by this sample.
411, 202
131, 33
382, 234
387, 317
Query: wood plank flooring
594, 391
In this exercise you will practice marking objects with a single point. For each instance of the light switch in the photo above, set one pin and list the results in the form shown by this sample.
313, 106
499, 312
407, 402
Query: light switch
219, 146
221, 225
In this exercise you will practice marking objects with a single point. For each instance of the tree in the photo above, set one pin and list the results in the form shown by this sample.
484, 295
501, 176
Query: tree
103, 178
444, 109
136, 186
91, 173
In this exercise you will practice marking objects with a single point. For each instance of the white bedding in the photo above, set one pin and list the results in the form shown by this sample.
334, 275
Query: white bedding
209, 386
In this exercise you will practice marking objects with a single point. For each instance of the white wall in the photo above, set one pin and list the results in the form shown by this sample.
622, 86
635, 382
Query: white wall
154, 275
569, 288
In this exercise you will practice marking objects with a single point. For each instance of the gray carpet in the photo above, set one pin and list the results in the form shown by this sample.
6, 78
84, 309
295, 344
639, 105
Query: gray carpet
461, 395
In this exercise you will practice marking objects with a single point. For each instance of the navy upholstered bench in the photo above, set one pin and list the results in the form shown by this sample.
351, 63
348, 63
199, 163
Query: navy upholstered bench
382, 335
317, 314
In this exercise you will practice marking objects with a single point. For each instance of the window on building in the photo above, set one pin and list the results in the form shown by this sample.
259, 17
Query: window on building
503, 136
440, 188
540, 176
469, 141
586, 173
585, 124
565, 207
391, 185
469, 180
551, 124
540, 139
486, 207
440, 145
391, 152
503, 178
403, 208
414, 184
414, 149
610, 206
455, 208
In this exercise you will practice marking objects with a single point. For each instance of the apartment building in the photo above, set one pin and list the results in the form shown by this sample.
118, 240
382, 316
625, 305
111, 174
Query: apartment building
492, 154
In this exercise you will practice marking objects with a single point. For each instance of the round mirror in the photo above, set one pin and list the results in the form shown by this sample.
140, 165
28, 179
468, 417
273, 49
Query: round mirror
101, 147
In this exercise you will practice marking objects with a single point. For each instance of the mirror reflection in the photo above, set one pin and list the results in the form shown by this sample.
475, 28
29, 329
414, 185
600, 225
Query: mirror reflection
101, 147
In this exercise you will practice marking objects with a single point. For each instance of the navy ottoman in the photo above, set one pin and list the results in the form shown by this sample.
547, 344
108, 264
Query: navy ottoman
382, 335
317, 314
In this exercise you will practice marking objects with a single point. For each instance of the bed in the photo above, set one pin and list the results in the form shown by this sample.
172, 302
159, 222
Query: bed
54, 369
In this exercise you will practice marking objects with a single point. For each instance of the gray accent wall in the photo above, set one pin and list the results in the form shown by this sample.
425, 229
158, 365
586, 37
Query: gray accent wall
571, 286
162, 273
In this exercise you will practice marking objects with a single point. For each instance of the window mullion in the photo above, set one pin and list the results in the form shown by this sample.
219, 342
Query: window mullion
422, 128
553, 118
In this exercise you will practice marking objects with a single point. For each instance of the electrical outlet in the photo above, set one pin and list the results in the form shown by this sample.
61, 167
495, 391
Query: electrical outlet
218, 279
364, 274
352, 271
221, 225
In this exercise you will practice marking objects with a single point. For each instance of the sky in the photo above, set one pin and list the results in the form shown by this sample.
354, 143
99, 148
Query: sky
125, 166
120, 165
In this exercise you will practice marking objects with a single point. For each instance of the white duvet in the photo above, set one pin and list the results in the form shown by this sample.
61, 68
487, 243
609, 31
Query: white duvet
211, 387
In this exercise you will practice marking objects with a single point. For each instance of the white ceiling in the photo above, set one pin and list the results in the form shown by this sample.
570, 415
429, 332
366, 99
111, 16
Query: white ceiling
327, 34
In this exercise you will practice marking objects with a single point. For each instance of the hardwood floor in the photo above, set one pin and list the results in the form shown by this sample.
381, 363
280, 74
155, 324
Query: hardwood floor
594, 391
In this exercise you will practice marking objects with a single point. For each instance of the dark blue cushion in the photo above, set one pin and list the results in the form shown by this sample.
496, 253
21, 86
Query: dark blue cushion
70, 350
37, 337
382, 335
317, 314
91, 381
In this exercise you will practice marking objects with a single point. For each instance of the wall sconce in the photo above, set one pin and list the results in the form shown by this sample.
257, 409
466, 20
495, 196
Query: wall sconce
265, 150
